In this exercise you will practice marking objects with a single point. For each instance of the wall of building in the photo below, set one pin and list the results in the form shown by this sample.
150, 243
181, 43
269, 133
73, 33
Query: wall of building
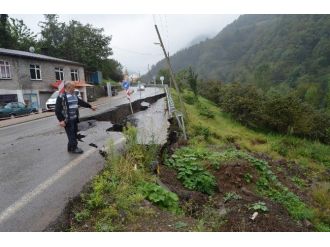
10, 84
22, 84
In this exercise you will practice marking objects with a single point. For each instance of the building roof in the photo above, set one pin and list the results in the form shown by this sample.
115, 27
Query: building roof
25, 54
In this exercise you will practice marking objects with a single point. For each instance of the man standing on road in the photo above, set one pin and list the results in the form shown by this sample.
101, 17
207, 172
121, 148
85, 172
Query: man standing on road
67, 113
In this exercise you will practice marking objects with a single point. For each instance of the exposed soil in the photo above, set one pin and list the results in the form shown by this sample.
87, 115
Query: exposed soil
231, 177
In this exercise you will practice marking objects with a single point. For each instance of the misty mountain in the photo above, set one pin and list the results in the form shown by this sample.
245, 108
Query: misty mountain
264, 49
197, 40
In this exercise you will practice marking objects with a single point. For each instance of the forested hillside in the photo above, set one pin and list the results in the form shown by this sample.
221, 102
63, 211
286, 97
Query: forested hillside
285, 51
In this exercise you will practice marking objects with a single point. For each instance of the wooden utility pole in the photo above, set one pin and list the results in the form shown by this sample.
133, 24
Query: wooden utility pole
171, 72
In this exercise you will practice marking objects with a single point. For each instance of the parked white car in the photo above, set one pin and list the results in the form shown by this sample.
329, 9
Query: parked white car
50, 103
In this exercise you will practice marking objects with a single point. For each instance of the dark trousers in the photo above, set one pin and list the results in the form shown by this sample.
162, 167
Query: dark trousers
71, 130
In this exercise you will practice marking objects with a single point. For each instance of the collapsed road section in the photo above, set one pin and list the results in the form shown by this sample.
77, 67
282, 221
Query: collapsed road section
38, 176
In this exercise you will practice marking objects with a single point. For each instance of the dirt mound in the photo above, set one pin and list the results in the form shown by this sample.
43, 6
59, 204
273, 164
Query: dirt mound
196, 199
234, 175
276, 219
236, 178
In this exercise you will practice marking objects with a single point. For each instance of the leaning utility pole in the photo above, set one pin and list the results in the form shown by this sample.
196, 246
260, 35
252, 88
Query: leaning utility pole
171, 72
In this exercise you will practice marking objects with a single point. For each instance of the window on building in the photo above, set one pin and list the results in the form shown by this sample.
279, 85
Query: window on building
5, 70
35, 72
74, 75
59, 74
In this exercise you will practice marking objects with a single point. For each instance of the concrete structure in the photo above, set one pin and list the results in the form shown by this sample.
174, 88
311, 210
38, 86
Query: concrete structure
28, 77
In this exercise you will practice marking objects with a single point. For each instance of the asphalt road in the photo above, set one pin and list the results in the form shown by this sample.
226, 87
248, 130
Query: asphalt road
38, 175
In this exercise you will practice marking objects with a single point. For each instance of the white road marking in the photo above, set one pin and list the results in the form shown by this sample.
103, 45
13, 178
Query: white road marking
19, 204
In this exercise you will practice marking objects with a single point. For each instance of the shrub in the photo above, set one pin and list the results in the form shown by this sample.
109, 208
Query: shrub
204, 111
259, 206
284, 113
190, 170
199, 130
231, 196
189, 99
160, 196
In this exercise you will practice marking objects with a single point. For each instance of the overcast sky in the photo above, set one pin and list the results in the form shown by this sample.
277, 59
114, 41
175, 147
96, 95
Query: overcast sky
133, 35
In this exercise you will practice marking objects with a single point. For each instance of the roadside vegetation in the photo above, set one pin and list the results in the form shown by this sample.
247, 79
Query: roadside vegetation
220, 179
125, 193
291, 171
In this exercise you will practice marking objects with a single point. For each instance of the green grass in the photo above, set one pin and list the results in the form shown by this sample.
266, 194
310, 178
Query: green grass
223, 132
118, 191
221, 129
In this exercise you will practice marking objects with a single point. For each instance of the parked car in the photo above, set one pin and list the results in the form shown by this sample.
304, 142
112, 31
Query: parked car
50, 103
13, 109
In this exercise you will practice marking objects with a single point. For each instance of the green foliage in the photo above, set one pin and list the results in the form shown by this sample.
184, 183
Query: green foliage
160, 196
205, 111
321, 195
284, 113
259, 206
248, 177
321, 227
74, 41
268, 185
81, 216
199, 130
180, 224
189, 98
313, 155
131, 136
115, 195
192, 80
6, 39
229, 196
111, 69
23, 37
243, 102
298, 181
14, 34
190, 171
210, 219
210, 89
266, 50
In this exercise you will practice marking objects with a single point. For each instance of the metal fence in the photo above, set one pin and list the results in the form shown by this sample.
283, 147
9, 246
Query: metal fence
172, 111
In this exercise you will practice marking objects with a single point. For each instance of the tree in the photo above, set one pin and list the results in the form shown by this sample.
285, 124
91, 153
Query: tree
52, 36
14, 34
86, 44
24, 38
210, 89
192, 81
112, 69
6, 40
77, 42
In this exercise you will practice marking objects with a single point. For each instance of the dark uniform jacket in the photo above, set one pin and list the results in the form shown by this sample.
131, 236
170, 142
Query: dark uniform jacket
61, 107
